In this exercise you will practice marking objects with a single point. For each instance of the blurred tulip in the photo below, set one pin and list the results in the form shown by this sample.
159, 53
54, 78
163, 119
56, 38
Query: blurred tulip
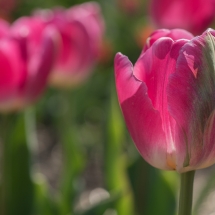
26, 62
192, 15
81, 29
167, 99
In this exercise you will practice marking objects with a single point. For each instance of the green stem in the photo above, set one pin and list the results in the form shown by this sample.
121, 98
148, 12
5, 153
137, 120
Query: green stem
17, 187
186, 193
73, 157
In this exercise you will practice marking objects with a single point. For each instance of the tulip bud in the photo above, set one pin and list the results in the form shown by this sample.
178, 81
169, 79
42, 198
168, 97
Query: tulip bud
27, 56
167, 99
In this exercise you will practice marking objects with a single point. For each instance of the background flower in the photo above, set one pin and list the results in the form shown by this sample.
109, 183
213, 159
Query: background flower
81, 30
27, 58
192, 15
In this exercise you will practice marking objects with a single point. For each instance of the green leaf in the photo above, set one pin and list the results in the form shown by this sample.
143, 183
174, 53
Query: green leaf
44, 203
152, 193
17, 189
115, 157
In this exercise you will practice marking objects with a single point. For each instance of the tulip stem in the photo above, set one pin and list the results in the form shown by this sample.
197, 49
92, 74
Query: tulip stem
186, 193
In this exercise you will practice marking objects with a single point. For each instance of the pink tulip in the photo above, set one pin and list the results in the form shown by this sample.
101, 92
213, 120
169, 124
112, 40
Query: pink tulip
175, 34
192, 15
168, 101
26, 60
81, 28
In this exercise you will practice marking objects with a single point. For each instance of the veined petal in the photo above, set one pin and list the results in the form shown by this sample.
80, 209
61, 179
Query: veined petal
191, 97
154, 68
174, 34
143, 121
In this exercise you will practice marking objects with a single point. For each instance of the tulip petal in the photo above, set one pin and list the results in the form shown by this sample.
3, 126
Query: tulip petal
40, 65
28, 27
143, 121
191, 97
12, 70
175, 34
74, 62
154, 68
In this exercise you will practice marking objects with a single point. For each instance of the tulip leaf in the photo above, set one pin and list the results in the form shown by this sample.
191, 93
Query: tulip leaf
152, 193
17, 187
115, 159
44, 204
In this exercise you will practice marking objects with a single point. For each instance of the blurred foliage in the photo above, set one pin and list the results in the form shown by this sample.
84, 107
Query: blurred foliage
152, 192
25, 7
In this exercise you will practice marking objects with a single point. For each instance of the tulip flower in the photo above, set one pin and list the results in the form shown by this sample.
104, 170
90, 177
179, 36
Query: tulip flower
192, 15
80, 28
167, 99
26, 60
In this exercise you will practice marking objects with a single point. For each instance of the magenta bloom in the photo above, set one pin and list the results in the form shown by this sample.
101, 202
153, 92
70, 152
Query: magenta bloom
81, 29
192, 15
26, 62
168, 100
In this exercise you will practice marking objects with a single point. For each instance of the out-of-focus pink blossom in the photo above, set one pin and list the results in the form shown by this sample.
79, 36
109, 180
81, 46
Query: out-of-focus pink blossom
81, 29
26, 58
192, 15
168, 100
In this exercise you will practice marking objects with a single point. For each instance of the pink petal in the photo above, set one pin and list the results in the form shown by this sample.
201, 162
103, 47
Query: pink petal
75, 58
27, 31
174, 34
40, 65
89, 15
143, 121
191, 99
154, 68
12, 70
75, 48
